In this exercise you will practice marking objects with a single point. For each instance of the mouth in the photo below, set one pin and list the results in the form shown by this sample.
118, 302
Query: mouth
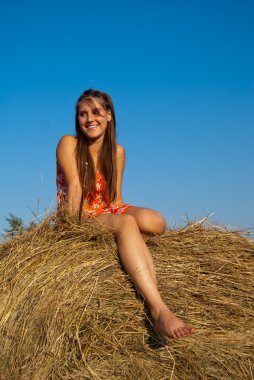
92, 126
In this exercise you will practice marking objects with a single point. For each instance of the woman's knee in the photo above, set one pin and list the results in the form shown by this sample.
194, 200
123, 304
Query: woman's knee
118, 223
159, 223
126, 222
151, 222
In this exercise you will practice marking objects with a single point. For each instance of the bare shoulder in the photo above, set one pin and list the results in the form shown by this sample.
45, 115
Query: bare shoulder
120, 152
67, 140
66, 144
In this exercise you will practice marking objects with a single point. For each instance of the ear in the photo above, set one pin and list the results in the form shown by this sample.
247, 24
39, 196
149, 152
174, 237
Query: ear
109, 116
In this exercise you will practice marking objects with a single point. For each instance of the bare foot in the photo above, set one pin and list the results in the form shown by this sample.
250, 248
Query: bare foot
167, 324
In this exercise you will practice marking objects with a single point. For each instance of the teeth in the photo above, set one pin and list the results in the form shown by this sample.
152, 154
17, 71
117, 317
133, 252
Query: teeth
92, 126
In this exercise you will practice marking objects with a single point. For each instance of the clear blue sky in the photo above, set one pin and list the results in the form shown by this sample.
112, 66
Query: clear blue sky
180, 74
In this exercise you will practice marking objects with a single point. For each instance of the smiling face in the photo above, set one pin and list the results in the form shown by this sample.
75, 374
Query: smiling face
93, 119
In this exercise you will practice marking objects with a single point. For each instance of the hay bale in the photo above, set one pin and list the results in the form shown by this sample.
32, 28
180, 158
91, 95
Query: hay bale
68, 310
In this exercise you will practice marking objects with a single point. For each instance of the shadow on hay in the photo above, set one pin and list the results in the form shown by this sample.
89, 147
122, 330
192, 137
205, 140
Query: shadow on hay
153, 339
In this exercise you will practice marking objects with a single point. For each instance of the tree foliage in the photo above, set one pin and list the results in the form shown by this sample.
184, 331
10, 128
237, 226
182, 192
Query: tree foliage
16, 225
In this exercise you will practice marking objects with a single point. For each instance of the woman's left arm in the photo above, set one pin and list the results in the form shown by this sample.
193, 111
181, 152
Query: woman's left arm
120, 163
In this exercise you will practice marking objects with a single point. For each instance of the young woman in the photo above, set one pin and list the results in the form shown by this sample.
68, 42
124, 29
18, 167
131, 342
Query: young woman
89, 183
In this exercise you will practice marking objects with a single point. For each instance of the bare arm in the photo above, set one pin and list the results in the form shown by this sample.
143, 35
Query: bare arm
67, 161
120, 163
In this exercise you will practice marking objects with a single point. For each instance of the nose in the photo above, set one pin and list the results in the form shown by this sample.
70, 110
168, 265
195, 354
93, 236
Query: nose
90, 116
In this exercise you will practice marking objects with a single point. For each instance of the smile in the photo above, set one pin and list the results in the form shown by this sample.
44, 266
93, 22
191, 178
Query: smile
93, 126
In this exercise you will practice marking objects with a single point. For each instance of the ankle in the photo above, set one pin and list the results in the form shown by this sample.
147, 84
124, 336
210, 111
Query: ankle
157, 310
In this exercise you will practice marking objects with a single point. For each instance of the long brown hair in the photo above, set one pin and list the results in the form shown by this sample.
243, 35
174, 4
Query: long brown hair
107, 154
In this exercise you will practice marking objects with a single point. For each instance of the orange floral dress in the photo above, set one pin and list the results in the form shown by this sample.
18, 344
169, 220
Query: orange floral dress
94, 204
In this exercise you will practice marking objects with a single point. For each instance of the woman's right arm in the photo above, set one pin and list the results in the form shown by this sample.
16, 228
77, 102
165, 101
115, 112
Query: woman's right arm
66, 158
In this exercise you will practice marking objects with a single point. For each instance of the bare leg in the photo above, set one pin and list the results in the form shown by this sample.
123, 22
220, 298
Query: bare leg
133, 256
149, 222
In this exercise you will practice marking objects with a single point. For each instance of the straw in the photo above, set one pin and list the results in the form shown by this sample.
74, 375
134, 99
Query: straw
69, 311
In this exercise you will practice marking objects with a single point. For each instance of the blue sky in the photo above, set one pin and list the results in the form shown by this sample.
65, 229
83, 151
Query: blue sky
180, 74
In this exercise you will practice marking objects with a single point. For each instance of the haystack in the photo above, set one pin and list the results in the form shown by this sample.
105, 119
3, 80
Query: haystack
69, 311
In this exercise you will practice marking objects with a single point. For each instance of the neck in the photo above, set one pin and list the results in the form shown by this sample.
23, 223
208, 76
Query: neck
95, 146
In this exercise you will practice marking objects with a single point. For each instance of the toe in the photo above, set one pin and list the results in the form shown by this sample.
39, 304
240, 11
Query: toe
179, 332
191, 329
